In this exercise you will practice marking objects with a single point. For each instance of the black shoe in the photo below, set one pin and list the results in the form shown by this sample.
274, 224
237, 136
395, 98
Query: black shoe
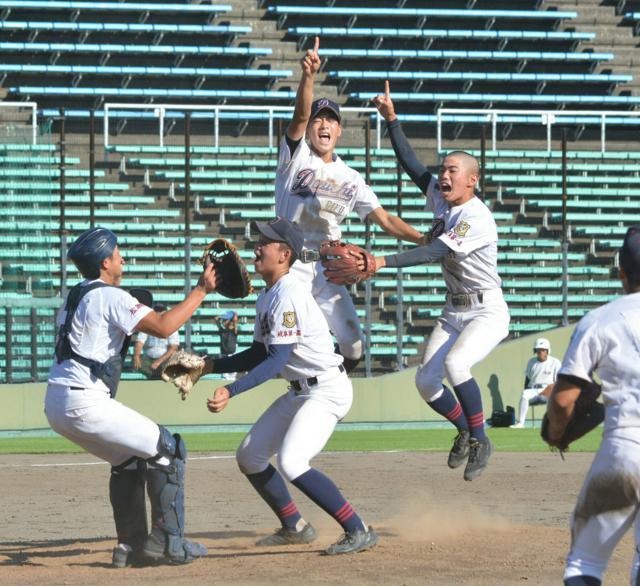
460, 450
479, 453
353, 542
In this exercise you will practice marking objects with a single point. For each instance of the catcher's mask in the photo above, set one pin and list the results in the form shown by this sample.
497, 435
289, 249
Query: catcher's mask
90, 249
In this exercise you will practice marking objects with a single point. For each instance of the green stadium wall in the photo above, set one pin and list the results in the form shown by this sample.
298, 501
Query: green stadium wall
388, 399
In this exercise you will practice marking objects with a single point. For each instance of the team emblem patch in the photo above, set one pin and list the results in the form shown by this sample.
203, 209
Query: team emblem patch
462, 228
289, 319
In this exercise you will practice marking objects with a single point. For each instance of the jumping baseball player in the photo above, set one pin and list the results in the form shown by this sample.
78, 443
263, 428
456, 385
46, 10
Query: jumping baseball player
316, 189
95, 325
475, 318
606, 342
539, 377
291, 337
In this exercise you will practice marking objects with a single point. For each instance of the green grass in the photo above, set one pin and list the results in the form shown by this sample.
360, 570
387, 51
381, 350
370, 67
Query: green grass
406, 440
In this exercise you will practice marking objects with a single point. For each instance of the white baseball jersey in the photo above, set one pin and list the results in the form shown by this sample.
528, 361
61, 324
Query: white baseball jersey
156, 347
607, 341
471, 233
286, 313
104, 317
542, 374
318, 195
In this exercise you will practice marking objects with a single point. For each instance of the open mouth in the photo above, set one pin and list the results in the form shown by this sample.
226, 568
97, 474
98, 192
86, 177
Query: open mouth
445, 188
324, 137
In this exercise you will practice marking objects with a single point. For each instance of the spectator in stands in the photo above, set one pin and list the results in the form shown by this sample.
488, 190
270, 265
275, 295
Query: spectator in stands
317, 190
539, 378
228, 328
150, 353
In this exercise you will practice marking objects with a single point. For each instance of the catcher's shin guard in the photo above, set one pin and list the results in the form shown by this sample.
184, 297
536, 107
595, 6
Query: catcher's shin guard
165, 486
127, 495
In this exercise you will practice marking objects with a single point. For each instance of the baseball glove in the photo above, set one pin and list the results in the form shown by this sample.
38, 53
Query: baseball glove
346, 264
588, 413
183, 370
230, 268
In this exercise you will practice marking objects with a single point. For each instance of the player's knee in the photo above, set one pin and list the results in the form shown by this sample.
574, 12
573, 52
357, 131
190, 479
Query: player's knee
428, 381
351, 350
457, 371
292, 465
248, 461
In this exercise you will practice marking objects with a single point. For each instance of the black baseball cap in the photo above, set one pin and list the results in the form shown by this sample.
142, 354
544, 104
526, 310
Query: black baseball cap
630, 252
282, 230
325, 104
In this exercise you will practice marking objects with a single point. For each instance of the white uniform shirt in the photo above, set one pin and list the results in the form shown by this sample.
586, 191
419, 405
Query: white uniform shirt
155, 347
606, 341
287, 314
104, 317
542, 374
471, 233
318, 195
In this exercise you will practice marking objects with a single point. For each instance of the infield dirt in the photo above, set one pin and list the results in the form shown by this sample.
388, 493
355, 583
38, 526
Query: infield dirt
510, 526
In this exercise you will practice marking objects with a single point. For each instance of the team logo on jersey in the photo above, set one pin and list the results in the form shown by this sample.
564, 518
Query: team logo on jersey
302, 182
462, 228
289, 319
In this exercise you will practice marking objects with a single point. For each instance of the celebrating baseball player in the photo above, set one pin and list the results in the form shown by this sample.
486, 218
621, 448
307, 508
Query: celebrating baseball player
316, 189
291, 337
95, 325
539, 378
606, 342
463, 238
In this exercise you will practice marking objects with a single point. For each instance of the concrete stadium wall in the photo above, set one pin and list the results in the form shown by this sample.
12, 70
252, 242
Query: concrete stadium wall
390, 398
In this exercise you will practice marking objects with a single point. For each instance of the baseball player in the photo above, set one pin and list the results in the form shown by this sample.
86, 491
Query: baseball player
316, 189
539, 377
95, 325
291, 337
606, 342
463, 239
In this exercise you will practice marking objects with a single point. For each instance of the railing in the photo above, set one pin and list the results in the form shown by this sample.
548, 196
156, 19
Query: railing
159, 111
543, 117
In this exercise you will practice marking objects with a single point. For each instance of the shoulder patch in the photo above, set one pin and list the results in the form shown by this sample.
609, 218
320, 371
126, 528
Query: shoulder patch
462, 228
289, 319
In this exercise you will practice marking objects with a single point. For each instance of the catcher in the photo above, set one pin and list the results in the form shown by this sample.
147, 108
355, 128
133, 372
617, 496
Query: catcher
606, 341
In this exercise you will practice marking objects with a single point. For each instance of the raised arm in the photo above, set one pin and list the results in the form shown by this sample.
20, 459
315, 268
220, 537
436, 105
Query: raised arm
407, 158
395, 226
310, 64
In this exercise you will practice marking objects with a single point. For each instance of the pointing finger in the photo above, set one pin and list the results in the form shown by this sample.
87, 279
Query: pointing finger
386, 88
316, 44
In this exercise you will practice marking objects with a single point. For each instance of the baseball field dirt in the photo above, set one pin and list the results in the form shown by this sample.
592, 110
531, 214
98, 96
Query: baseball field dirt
509, 526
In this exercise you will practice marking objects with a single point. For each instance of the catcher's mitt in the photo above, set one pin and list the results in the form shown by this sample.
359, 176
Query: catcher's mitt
346, 264
183, 370
230, 268
588, 413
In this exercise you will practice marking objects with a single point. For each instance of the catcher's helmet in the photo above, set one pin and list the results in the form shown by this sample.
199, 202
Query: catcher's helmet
542, 344
90, 249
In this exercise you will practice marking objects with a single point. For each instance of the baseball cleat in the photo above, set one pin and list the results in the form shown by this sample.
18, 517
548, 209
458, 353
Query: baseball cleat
156, 550
121, 555
286, 536
460, 450
517, 426
353, 542
479, 452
